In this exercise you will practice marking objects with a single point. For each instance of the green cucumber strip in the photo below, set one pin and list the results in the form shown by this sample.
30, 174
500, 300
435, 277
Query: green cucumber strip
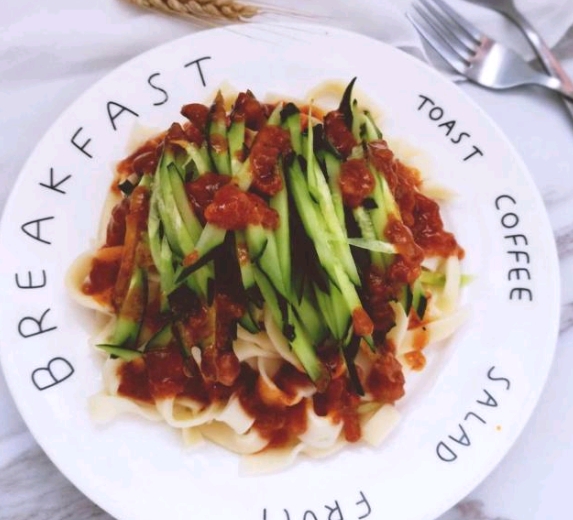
383, 203
192, 283
236, 138
372, 132
153, 230
126, 354
269, 296
146, 181
175, 229
362, 218
304, 350
245, 264
300, 342
439, 279
211, 237
333, 165
180, 338
246, 321
201, 276
325, 306
347, 289
334, 312
370, 342
160, 339
244, 176
319, 190
290, 117
198, 160
381, 212
269, 262
349, 357
169, 228
419, 300
311, 219
279, 202
358, 128
349, 109
308, 311
165, 267
276, 303
405, 299
132, 310
257, 241
188, 217
275, 117
345, 106
386, 205
377, 246
341, 314
389, 201
309, 162
217, 136
422, 305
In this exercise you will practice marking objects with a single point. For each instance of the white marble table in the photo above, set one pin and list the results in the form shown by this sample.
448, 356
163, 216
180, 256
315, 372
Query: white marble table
531, 483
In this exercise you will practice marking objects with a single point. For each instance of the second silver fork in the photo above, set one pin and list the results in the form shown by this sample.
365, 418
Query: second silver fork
473, 53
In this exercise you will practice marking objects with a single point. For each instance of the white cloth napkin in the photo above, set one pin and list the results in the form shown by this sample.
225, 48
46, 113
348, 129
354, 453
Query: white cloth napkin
51, 51
65, 37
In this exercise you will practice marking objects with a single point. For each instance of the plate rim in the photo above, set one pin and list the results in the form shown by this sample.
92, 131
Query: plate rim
551, 256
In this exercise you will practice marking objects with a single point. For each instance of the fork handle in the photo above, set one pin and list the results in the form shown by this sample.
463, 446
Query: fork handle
546, 56
557, 85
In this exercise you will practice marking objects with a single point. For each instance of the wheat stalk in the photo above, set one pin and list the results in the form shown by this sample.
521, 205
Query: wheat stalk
201, 10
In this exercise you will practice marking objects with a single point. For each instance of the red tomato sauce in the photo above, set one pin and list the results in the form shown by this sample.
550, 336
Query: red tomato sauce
101, 279
356, 182
270, 143
235, 209
248, 109
340, 403
419, 213
143, 160
201, 191
338, 134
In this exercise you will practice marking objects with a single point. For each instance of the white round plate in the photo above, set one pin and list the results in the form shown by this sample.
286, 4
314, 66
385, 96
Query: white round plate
460, 415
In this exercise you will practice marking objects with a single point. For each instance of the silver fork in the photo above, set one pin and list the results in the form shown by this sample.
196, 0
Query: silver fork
549, 61
474, 54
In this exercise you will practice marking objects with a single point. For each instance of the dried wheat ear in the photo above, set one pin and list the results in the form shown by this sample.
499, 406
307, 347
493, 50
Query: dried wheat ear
208, 10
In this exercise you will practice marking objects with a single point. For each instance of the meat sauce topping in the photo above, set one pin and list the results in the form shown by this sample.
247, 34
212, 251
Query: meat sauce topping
164, 373
338, 134
235, 209
215, 200
419, 213
197, 115
356, 182
172, 371
112, 265
270, 143
102, 278
201, 191
143, 160
248, 109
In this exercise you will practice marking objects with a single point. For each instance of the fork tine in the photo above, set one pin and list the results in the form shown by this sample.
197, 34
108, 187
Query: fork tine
436, 41
448, 27
471, 30
458, 42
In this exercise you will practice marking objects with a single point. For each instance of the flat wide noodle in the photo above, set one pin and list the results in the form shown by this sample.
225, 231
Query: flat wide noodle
221, 412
